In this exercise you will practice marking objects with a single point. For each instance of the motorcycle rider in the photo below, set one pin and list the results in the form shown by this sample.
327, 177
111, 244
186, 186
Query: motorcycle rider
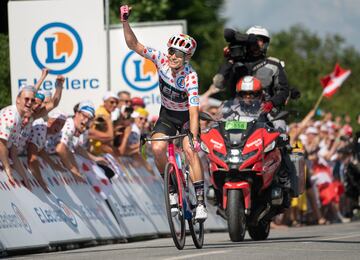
246, 55
246, 105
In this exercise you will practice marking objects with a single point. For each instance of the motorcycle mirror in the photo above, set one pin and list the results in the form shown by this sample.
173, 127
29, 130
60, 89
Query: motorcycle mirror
205, 116
281, 115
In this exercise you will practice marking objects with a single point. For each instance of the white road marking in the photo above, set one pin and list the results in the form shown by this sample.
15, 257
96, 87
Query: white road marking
335, 238
197, 255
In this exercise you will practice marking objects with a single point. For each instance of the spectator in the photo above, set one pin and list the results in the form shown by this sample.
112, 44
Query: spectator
73, 128
137, 102
104, 111
40, 108
131, 140
10, 127
36, 146
123, 105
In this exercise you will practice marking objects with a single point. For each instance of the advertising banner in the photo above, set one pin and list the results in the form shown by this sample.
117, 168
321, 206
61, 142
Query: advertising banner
66, 36
133, 73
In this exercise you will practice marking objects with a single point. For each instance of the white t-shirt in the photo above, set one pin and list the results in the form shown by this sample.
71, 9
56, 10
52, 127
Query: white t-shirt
10, 124
38, 134
67, 134
23, 138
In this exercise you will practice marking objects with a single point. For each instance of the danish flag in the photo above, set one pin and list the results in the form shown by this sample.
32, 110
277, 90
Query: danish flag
332, 82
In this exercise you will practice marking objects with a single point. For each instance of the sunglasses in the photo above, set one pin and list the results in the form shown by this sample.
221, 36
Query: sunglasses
113, 102
250, 94
32, 100
142, 118
178, 54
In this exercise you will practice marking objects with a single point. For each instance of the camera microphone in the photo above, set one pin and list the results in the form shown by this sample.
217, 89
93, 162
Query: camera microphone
229, 34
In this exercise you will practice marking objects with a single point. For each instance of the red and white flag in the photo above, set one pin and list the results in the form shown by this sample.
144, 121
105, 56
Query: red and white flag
332, 82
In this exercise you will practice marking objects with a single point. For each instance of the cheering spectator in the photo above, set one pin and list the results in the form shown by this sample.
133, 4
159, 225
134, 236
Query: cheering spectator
36, 145
73, 128
10, 127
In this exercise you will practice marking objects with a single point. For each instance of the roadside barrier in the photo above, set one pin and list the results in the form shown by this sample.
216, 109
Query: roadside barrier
129, 205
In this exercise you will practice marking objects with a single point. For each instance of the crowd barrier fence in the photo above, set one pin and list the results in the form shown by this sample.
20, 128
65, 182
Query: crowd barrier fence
130, 205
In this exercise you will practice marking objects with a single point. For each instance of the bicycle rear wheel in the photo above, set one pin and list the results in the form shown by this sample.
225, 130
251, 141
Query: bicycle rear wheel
176, 223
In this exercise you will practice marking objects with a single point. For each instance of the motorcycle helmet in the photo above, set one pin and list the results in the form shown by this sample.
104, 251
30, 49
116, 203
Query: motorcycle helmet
184, 43
260, 32
249, 92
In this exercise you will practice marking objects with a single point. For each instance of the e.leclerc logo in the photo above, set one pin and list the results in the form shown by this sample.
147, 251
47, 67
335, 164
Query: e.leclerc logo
16, 219
69, 215
139, 73
58, 46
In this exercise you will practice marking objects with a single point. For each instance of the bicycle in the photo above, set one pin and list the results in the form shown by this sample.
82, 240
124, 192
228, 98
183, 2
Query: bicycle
174, 176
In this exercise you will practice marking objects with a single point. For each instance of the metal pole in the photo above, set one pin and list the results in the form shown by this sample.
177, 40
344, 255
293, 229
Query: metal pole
107, 22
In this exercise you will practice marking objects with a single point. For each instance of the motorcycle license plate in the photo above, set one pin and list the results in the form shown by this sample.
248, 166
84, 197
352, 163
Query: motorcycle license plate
234, 125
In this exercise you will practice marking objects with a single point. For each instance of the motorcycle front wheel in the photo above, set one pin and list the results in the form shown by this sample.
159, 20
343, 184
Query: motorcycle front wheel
236, 215
260, 231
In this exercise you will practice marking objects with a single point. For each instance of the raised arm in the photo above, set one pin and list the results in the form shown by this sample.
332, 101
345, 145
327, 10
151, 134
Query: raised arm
44, 73
130, 38
54, 102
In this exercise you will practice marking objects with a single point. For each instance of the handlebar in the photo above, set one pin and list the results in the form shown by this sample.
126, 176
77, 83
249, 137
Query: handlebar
143, 140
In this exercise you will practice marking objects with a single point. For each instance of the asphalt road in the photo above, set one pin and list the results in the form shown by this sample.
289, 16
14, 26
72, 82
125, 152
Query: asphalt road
337, 241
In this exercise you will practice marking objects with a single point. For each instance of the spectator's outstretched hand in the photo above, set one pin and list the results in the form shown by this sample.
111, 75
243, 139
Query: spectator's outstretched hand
44, 72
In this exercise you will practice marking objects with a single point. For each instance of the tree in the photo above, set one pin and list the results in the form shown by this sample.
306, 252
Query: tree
5, 90
308, 58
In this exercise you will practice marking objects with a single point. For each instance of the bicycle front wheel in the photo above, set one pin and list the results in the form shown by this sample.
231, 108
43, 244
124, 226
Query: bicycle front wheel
176, 221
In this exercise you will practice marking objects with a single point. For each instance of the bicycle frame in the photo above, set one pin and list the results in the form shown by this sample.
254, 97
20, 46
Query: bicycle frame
183, 200
185, 205
180, 178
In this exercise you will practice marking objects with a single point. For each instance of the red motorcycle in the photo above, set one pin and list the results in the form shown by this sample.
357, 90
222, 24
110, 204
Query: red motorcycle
244, 159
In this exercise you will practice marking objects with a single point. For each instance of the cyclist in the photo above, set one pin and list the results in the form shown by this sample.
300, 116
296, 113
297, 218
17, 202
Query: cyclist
179, 111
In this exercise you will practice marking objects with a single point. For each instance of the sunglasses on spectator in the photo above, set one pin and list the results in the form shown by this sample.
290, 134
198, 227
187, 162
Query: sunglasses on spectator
250, 94
113, 102
142, 118
32, 100
178, 54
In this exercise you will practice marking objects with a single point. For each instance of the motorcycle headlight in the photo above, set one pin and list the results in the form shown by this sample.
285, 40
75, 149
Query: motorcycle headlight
220, 155
270, 147
248, 155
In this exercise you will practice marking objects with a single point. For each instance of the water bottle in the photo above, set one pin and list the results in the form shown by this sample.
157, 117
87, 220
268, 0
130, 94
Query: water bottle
178, 160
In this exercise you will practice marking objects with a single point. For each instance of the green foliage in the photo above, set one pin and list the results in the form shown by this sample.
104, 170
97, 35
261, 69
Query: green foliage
5, 97
308, 58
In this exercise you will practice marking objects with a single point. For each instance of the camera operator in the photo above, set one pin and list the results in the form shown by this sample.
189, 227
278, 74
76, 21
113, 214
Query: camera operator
246, 55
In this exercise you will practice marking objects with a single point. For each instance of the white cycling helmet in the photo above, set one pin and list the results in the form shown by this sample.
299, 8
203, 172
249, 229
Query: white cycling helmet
183, 42
258, 31
262, 32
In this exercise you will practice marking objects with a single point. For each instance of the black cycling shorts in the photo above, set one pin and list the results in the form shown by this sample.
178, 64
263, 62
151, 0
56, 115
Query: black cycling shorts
171, 122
